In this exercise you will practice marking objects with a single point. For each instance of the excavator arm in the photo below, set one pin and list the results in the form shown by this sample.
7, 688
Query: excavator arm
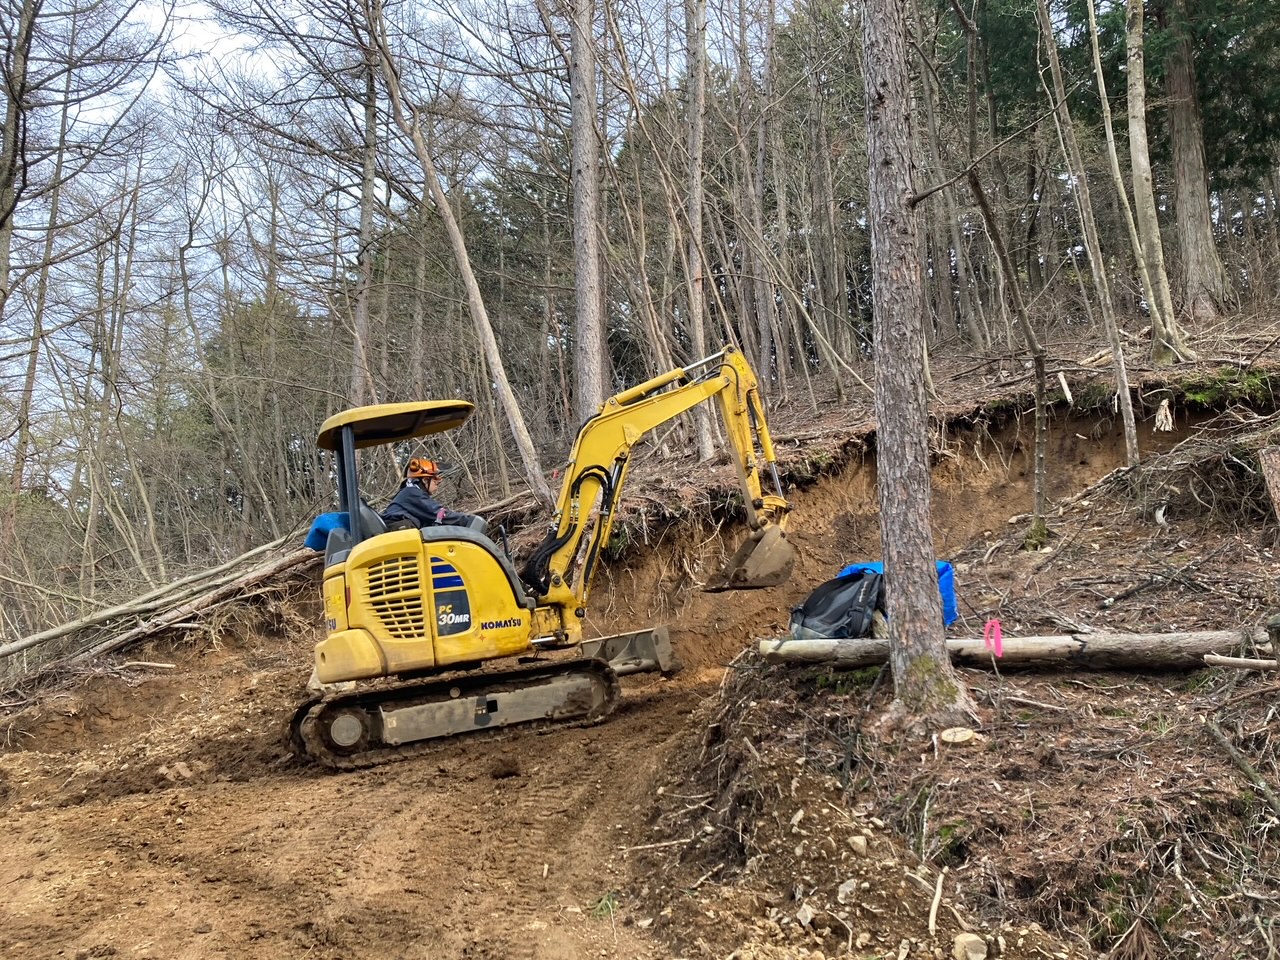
562, 567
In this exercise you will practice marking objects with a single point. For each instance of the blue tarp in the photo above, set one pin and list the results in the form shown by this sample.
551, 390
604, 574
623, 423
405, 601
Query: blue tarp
320, 528
946, 585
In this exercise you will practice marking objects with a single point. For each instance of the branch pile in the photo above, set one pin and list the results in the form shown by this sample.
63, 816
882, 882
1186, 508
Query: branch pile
183, 603
1220, 471
168, 607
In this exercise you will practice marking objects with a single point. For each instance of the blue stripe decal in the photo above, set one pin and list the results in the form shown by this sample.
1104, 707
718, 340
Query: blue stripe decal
441, 582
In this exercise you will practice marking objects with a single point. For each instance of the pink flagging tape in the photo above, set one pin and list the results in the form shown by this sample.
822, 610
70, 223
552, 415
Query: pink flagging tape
992, 638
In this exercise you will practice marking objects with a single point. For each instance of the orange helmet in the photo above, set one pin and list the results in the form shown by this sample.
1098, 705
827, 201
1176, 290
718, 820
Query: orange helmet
420, 468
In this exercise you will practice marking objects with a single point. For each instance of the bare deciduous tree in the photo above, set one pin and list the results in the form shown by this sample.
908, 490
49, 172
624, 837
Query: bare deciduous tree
589, 291
410, 120
1092, 242
1150, 259
696, 51
1166, 334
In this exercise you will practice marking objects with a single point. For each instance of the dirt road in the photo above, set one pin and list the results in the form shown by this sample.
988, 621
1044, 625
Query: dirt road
186, 834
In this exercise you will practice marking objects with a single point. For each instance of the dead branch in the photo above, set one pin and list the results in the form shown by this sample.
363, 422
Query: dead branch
157, 599
1244, 765
1240, 663
229, 591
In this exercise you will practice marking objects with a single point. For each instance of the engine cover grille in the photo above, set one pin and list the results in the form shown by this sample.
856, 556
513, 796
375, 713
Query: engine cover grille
394, 589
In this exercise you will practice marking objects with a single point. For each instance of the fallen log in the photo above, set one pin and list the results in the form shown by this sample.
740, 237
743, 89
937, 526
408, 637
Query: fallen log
179, 605
157, 599
167, 607
92, 638
1091, 651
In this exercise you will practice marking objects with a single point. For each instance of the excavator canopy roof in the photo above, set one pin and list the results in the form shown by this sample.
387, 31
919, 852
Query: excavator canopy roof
392, 422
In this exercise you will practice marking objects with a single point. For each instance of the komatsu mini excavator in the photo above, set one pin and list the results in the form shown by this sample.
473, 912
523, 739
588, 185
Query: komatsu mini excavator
445, 637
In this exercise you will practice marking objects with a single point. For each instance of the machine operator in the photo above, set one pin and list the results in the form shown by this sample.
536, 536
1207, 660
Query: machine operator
415, 504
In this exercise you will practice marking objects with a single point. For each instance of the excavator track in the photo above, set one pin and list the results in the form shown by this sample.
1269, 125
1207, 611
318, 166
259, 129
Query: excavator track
351, 730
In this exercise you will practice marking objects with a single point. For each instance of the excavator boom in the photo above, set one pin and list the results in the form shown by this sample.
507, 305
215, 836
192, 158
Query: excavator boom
601, 456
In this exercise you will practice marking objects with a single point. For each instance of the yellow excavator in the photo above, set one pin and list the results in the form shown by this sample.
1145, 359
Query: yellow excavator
433, 633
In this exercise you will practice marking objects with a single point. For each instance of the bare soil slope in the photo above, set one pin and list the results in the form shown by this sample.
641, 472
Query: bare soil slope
155, 812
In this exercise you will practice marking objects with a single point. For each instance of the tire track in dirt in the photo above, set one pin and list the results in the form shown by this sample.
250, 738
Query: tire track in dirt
557, 806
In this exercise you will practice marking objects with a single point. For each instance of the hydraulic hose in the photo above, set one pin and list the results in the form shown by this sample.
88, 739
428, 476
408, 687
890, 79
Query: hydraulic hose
537, 569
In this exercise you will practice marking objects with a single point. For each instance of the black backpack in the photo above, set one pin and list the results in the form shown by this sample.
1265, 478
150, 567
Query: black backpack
840, 608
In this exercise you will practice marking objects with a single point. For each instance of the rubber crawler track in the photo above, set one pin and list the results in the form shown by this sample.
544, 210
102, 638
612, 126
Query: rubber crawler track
309, 744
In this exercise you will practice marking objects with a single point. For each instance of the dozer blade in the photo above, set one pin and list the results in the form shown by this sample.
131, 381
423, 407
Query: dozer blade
644, 651
349, 730
764, 560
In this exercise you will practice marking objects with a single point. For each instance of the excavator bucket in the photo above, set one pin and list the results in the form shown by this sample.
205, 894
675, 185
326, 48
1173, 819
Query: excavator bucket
764, 560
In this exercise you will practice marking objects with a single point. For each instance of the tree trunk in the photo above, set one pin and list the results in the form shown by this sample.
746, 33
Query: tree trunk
1160, 316
1080, 174
791, 308
418, 387
1205, 287
411, 125
655, 344
695, 12
1036, 277
925, 684
360, 377
756, 290
830, 249
12, 161
27, 394
123, 306
589, 382
1275, 217
12, 135
1006, 272
1269, 459
949, 214
1166, 333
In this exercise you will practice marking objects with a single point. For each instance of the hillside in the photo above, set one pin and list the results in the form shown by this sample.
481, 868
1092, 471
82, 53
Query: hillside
153, 808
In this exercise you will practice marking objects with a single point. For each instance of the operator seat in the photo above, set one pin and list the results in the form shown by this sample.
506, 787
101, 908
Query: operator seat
371, 522
340, 540
479, 524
